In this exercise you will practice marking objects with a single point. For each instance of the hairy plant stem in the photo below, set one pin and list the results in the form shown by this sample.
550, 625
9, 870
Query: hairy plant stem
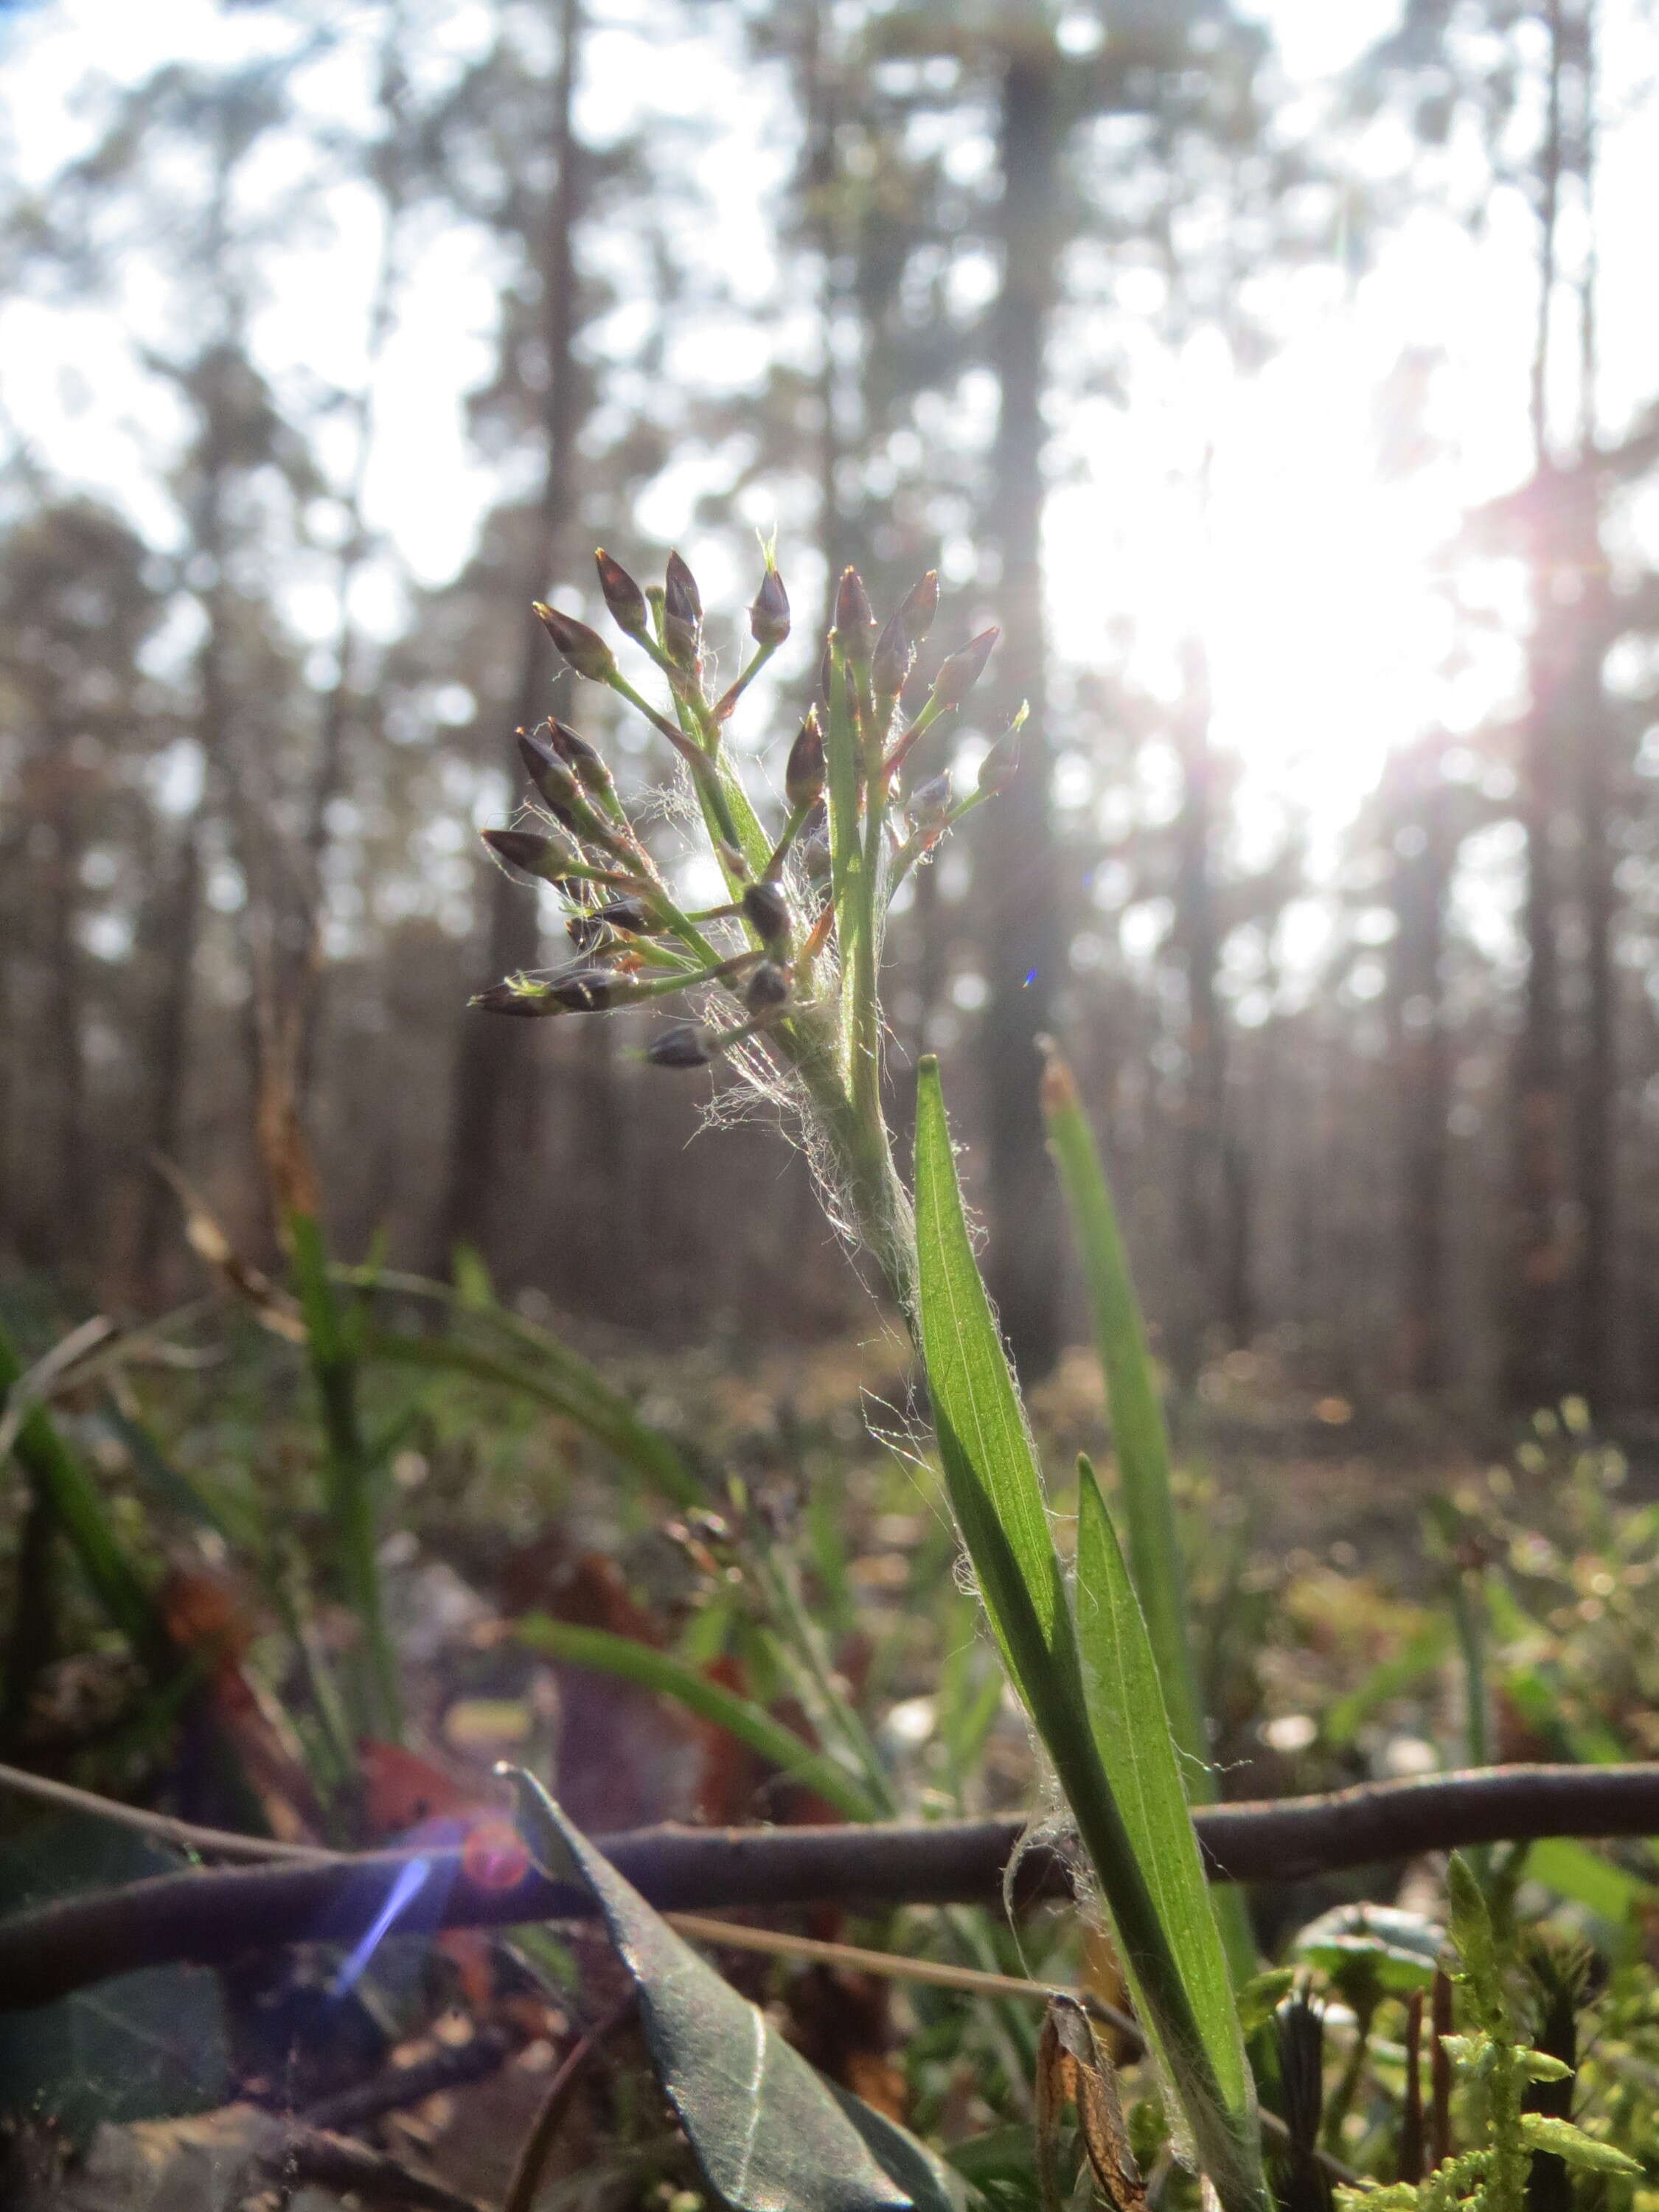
874, 1194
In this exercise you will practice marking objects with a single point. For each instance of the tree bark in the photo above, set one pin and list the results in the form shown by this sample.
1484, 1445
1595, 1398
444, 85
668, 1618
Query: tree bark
1594, 1366
1538, 1262
307, 982
1200, 1176
1017, 887
820, 98
494, 1117
75, 1187
1595, 1363
1423, 856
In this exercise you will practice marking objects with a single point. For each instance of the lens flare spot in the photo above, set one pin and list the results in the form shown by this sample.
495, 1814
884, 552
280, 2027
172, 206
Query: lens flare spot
494, 1857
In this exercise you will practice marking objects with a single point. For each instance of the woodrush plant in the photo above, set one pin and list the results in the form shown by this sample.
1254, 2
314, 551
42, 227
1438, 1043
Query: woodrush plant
786, 971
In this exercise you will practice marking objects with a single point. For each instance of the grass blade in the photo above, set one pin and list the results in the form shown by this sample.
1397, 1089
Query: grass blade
996, 1492
586, 1400
334, 1340
1141, 1444
57, 1476
748, 1722
990, 1468
1135, 1745
1418, 1658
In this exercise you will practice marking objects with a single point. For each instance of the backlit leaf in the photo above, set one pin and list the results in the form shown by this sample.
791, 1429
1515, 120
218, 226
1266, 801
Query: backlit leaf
767, 2131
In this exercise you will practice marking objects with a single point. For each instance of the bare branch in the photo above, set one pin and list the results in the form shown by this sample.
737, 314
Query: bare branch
213, 1915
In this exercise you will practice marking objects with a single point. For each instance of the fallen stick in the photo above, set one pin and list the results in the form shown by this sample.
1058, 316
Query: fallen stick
210, 1915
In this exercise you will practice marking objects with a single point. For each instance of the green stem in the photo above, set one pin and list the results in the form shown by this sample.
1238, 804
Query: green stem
348, 1475
57, 1476
1341, 2103
735, 690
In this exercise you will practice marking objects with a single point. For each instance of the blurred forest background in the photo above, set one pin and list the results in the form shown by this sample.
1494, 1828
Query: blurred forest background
1282, 380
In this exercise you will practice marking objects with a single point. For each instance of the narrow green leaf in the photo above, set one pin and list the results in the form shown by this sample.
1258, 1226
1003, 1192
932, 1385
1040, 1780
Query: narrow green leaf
1573, 2145
748, 1722
588, 1402
843, 766
1141, 1444
1260, 1997
1137, 1750
766, 2130
57, 1475
172, 1490
990, 1469
1416, 1660
1573, 1870
1475, 1942
1161, 1912
334, 1341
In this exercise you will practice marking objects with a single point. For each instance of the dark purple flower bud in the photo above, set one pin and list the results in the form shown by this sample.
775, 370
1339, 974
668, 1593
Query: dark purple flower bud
584, 648
681, 622
803, 776
930, 802
768, 615
515, 996
622, 917
855, 626
894, 654
571, 749
767, 912
547, 859
686, 1044
918, 607
588, 990
1000, 765
551, 778
622, 595
577, 754
766, 988
959, 675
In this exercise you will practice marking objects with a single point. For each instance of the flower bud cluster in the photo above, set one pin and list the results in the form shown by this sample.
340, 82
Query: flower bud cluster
772, 963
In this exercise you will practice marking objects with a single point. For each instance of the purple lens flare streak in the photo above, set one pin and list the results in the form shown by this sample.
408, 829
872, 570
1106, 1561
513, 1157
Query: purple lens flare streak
403, 1893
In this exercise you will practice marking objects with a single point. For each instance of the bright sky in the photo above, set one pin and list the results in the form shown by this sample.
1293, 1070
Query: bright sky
1320, 586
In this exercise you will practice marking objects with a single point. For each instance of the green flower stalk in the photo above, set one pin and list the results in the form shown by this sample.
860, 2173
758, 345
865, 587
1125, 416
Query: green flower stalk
784, 977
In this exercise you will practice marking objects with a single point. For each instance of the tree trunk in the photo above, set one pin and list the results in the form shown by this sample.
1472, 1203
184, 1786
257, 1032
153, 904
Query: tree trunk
175, 926
1594, 1369
1594, 1366
305, 982
1423, 856
494, 1115
1201, 1174
75, 1192
1537, 1262
820, 101
1017, 871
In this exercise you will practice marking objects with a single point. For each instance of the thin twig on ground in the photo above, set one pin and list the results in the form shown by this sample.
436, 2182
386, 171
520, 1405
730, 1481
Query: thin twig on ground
211, 1915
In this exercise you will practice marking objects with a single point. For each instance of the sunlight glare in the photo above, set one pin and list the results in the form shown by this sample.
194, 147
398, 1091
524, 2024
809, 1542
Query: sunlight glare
1248, 515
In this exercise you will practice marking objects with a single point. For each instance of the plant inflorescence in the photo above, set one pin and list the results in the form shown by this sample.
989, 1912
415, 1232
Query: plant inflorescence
783, 972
